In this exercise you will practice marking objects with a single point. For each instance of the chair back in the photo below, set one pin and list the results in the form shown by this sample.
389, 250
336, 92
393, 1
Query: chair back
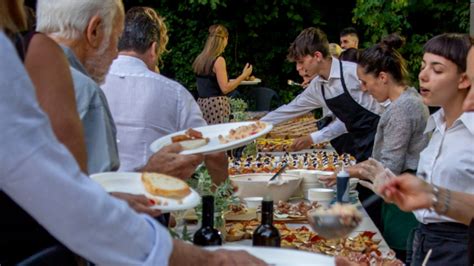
263, 98
55, 255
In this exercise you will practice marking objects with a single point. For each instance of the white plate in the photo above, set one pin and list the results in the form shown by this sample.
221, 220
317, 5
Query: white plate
249, 82
212, 132
131, 183
282, 256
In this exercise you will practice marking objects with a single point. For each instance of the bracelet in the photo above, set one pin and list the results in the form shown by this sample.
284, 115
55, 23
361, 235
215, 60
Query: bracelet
436, 201
434, 198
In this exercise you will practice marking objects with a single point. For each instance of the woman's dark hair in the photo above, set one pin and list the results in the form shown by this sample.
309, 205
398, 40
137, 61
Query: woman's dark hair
384, 57
452, 46
351, 55
308, 41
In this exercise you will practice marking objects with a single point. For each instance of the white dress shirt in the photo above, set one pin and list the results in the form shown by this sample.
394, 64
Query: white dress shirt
448, 160
40, 174
312, 98
146, 106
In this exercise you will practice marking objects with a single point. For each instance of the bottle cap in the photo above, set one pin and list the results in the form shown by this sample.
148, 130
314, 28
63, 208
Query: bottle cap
343, 173
267, 206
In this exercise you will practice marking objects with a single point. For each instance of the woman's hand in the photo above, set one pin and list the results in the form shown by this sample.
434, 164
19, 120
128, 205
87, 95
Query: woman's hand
247, 71
408, 192
139, 203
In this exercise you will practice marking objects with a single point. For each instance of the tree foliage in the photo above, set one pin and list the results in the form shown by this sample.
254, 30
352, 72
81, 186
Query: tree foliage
416, 20
261, 31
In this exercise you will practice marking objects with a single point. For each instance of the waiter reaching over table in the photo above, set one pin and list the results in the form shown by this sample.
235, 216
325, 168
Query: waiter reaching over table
335, 88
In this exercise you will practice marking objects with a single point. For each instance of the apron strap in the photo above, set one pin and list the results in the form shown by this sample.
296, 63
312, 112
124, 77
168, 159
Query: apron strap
343, 82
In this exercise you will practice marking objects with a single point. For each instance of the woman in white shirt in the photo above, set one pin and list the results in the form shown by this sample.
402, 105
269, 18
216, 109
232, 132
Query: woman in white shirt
448, 160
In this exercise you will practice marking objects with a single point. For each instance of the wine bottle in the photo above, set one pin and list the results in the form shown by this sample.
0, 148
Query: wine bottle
266, 234
207, 235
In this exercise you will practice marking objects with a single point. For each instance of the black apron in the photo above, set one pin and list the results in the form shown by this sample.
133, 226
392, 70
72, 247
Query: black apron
361, 123
448, 242
471, 243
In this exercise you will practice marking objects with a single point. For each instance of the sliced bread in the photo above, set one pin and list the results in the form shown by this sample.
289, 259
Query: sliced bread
165, 185
193, 143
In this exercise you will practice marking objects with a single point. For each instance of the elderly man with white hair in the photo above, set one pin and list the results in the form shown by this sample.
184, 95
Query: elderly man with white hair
88, 31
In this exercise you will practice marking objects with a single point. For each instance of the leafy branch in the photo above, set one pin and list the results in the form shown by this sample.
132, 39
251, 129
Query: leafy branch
223, 194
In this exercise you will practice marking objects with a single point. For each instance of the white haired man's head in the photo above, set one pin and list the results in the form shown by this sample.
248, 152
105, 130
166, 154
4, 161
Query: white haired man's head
90, 27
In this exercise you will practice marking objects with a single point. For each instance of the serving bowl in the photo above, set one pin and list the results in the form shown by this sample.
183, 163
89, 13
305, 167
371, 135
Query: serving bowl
334, 224
256, 185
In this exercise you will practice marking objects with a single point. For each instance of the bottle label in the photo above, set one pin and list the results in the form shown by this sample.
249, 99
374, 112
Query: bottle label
342, 189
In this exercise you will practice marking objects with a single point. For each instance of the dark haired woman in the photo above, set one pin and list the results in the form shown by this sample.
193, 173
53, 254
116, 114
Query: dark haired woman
399, 139
211, 77
448, 160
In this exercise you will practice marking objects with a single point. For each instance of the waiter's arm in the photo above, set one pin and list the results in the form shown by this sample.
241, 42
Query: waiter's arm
333, 130
307, 101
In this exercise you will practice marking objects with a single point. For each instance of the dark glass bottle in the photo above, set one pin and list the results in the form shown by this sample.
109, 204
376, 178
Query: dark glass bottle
266, 234
207, 235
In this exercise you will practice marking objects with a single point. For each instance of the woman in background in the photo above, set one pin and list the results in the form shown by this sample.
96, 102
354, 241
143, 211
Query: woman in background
211, 77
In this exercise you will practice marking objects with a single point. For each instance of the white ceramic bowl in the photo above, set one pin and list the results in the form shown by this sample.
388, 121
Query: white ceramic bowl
314, 175
317, 194
253, 202
256, 185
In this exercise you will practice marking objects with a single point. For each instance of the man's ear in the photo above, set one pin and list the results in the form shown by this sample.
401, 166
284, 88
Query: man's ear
94, 32
464, 82
319, 56
154, 50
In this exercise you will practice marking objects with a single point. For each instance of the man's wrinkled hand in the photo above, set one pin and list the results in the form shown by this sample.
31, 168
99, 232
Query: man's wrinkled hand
328, 180
301, 143
234, 258
169, 161
139, 203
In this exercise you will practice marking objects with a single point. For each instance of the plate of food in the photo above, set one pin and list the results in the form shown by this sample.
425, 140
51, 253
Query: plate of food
214, 138
285, 211
168, 193
252, 80
279, 256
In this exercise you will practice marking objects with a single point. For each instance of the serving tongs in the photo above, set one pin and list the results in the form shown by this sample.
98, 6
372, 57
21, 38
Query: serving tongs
278, 173
292, 83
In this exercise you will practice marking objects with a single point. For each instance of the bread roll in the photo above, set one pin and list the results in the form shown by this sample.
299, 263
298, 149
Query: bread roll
165, 186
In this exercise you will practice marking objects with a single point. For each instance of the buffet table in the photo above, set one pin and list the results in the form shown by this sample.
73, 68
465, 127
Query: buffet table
366, 225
